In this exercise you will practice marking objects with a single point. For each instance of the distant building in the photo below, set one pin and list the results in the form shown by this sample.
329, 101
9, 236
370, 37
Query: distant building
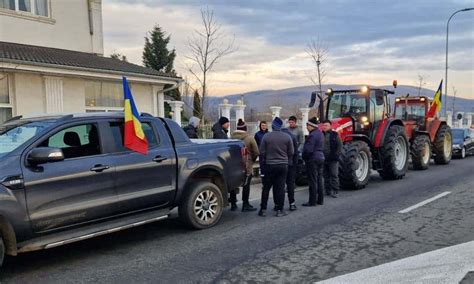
51, 61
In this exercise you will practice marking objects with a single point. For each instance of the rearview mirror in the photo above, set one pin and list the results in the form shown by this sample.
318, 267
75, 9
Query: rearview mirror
42, 155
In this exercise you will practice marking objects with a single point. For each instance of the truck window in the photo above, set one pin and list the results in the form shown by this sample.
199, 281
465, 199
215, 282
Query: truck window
118, 133
77, 141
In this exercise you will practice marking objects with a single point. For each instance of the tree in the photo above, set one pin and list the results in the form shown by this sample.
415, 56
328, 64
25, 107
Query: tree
197, 111
157, 56
318, 52
421, 84
206, 48
118, 56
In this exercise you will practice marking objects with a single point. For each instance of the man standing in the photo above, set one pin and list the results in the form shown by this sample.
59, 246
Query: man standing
221, 128
263, 129
314, 159
332, 151
291, 176
192, 128
252, 154
295, 130
276, 150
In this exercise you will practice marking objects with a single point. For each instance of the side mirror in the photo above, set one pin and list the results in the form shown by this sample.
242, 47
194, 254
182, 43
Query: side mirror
43, 155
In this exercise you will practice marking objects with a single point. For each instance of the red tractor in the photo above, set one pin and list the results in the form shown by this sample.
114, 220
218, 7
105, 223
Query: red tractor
372, 137
429, 137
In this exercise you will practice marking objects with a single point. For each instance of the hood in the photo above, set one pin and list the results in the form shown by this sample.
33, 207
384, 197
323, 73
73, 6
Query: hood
9, 165
217, 127
239, 134
458, 141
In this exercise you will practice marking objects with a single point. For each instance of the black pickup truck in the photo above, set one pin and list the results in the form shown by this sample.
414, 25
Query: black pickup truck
68, 178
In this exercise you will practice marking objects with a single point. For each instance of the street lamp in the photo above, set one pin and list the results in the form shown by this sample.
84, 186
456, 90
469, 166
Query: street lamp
446, 70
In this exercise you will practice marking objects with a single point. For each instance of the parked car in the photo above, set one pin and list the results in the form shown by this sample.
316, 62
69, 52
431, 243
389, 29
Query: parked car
69, 178
463, 142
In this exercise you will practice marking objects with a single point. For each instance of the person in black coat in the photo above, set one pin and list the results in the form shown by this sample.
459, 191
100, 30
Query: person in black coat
291, 175
314, 159
221, 128
332, 151
192, 128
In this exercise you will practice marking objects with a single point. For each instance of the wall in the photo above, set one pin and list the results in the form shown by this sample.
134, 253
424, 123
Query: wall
67, 28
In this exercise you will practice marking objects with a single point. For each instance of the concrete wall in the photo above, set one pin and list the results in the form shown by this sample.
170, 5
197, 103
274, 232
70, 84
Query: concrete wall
67, 27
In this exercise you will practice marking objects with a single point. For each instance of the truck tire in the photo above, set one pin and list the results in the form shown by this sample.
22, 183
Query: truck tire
443, 145
202, 205
394, 154
2, 251
354, 165
421, 152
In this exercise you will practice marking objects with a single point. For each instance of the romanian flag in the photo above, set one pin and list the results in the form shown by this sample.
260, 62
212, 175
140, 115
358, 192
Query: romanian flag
435, 106
134, 138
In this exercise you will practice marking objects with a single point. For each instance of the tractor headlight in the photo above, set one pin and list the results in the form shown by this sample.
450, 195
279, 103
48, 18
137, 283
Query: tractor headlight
365, 121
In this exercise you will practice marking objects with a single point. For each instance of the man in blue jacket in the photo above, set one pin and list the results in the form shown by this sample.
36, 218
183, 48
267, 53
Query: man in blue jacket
313, 156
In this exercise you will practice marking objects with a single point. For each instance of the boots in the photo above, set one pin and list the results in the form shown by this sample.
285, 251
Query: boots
246, 207
233, 206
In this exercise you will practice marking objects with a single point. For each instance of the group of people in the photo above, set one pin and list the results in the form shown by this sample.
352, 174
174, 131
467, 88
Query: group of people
278, 154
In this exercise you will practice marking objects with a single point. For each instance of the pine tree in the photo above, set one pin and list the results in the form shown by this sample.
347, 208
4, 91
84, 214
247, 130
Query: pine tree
157, 56
197, 104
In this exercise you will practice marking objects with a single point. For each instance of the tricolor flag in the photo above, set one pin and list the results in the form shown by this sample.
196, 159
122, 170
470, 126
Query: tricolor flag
435, 106
134, 138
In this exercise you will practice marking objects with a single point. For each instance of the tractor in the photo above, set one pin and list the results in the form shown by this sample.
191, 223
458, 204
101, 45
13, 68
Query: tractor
372, 138
428, 136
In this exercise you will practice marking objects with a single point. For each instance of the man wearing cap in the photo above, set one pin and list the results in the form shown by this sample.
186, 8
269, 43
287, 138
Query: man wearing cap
252, 154
276, 150
192, 128
221, 128
332, 151
313, 156
295, 130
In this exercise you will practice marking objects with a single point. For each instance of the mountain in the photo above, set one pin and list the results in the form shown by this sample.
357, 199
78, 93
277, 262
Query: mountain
292, 99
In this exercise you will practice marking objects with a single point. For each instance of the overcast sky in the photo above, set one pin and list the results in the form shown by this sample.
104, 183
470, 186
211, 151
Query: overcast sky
370, 42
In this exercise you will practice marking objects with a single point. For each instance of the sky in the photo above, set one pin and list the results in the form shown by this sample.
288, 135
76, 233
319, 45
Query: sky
368, 41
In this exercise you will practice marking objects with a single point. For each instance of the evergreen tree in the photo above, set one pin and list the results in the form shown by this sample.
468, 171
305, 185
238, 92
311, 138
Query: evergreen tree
157, 56
197, 104
118, 56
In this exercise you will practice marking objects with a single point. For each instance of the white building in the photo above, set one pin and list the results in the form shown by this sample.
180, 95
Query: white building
51, 62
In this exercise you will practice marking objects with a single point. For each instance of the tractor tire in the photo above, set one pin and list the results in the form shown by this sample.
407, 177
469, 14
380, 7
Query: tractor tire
421, 152
443, 145
394, 154
354, 165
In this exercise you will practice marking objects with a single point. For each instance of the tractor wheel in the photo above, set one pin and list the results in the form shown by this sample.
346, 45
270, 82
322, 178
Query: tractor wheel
421, 152
443, 145
394, 154
354, 165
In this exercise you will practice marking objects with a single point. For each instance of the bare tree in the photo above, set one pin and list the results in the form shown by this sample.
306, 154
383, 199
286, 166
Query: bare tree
421, 83
207, 47
318, 52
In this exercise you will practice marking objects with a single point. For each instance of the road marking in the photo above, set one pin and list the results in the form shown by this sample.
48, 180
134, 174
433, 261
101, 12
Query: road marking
424, 202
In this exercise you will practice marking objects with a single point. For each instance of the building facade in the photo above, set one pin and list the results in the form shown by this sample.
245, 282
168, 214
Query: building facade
51, 61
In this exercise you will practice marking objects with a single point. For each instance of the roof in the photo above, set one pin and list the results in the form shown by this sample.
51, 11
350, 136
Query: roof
15, 52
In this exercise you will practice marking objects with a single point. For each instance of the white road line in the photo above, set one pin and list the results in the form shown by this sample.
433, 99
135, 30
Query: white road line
424, 202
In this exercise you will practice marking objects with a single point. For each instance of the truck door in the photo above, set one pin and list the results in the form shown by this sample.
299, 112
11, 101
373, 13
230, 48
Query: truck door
76, 190
144, 181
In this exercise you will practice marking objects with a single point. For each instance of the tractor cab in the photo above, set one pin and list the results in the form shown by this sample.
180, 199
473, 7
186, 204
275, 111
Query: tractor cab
357, 111
412, 110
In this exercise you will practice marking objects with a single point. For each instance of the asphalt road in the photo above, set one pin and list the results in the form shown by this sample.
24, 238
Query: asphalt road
358, 230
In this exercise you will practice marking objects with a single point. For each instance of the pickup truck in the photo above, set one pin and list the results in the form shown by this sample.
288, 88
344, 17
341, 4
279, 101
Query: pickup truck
68, 178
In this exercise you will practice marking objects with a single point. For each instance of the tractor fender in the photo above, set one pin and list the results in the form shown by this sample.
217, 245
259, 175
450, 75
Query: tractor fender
382, 130
433, 128
360, 137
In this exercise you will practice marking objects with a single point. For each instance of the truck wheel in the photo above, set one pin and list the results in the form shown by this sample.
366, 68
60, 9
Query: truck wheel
2, 251
201, 208
394, 154
443, 145
354, 165
421, 152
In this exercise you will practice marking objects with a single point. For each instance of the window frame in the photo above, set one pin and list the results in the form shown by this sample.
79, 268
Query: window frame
98, 108
8, 105
116, 151
29, 14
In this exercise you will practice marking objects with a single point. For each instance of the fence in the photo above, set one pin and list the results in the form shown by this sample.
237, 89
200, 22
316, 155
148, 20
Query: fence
205, 130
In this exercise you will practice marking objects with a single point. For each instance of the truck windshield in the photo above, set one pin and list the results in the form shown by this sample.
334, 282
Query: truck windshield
413, 110
12, 136
341, 105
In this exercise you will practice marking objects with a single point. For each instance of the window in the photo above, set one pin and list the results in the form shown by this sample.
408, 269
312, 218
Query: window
118, 133
6, 108
103, 96
36, 7
76, 141
14, 134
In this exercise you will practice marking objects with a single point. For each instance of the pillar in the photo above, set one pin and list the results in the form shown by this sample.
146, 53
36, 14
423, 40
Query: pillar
225, 111
176, 108
54, 94
304, 120
449, 118
469, 119
239, 110
275, 111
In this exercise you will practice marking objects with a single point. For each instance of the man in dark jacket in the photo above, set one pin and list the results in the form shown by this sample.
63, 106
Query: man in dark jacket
276, 150
263, 129
221, 128
291, 176
314, 159
332, 151
192, 128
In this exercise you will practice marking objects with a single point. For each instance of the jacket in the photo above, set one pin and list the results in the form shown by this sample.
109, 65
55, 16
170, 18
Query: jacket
314, 146
218, 132
259, 136
294, 160
332, 146
191, 131
276, 148
298, 133
252, 148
